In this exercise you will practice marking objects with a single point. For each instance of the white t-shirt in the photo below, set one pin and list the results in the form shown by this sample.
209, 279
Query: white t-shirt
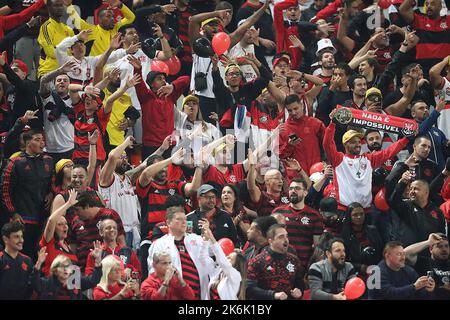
443, 121
121, 197
126, 70
59, 134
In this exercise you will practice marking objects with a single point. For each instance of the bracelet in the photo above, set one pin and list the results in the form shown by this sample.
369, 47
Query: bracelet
92, 144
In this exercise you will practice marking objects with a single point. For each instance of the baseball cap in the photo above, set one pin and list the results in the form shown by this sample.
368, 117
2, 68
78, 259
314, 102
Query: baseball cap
350, 134
21, 65
282, 58
232, 65
325, 44
372, 91
328, 207
205, 188
190, 98
61, 164
152, 75
205, 22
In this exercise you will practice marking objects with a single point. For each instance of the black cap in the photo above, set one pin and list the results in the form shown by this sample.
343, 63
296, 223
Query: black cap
152, 75
328, 207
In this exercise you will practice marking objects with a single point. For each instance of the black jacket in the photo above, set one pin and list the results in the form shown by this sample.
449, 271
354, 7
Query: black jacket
26, 181
50, 288
422, 221
221, 225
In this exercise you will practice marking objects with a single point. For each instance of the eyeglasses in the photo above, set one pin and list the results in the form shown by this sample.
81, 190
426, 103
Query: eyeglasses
296, 188
209, 197
234, 74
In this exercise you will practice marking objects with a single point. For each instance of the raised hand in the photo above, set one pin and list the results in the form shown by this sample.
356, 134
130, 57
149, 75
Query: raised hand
165, 91
132, 81
178, 156
296, 293
91, 90
93, 138
42, 255
97, 253
296, 43
214, 116
68, 66
166, 143
168, 8
132, 49
72, 197
116, 41
34, 21
84, 34
326, 28
135, 62
292, 164
371, 54
29, 115
113, 74
114, 3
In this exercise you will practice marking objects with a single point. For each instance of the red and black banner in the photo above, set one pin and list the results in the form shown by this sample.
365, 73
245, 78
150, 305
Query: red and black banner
375, 121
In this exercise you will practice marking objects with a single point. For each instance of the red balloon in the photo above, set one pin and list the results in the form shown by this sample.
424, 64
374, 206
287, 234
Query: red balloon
174, 65
380, 200
227, 245
384, 4
157, 65
316, 167
354, 288
221, 42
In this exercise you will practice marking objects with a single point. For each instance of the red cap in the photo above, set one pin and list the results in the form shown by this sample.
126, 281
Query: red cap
21, 65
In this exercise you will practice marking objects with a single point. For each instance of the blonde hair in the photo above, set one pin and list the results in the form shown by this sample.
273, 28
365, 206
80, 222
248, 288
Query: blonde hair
59, 260
108, 263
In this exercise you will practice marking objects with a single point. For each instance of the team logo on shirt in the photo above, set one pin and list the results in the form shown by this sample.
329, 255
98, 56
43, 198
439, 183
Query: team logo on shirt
443, 25
387, 55
97, 225
90, 121
305, 220
285, 200
290, 267
233, 178
76, 71
434, 214
263, 119
363, 166
171, 192
428, 172
24, 266
269, 268
123, 258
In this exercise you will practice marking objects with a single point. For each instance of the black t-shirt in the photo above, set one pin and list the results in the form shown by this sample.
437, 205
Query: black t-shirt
441, 274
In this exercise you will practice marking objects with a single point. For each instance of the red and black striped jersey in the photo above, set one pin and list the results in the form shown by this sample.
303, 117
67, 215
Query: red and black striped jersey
83, 233
233, 175
302, 226
268, 202
85, 124
190, 273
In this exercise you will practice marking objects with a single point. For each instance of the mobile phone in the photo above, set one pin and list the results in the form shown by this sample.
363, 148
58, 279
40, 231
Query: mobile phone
190, 225
430, 274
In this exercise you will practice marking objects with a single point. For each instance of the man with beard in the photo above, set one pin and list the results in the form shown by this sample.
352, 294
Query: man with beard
353, 170
373, 142
275, 274
304, 224
418, 212
102, 33
153, 189
15, 267
418, 163
438, 263
420, 112
129, 262
117, 190
327, 278
220, 221
399, 281
358, 87
210, 24
327, 63
257, 236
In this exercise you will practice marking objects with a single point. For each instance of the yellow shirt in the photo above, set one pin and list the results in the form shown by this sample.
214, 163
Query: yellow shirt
117, 136
51, 34
101, 37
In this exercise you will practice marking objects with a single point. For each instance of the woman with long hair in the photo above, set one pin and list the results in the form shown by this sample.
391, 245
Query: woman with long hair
231, 204
363, 243
55, 235
111, 287
229, 280
65, 281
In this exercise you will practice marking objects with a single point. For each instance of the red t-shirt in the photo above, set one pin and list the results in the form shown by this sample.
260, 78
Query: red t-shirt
233, 175
100, 294
54, 249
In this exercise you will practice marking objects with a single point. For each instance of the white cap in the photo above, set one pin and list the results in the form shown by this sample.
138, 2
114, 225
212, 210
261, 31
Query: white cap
324, 44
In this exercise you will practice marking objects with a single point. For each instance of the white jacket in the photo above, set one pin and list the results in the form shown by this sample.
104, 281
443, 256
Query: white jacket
198, 250
228, 287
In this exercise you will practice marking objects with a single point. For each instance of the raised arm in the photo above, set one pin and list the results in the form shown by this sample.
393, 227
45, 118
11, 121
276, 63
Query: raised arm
106, 174
115, 44
166, 52
406, 11
132, 81
413, 250
347, 42
44, 89
191, 187
52, 221
196, 21
437, 81
253, 189
92, 164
